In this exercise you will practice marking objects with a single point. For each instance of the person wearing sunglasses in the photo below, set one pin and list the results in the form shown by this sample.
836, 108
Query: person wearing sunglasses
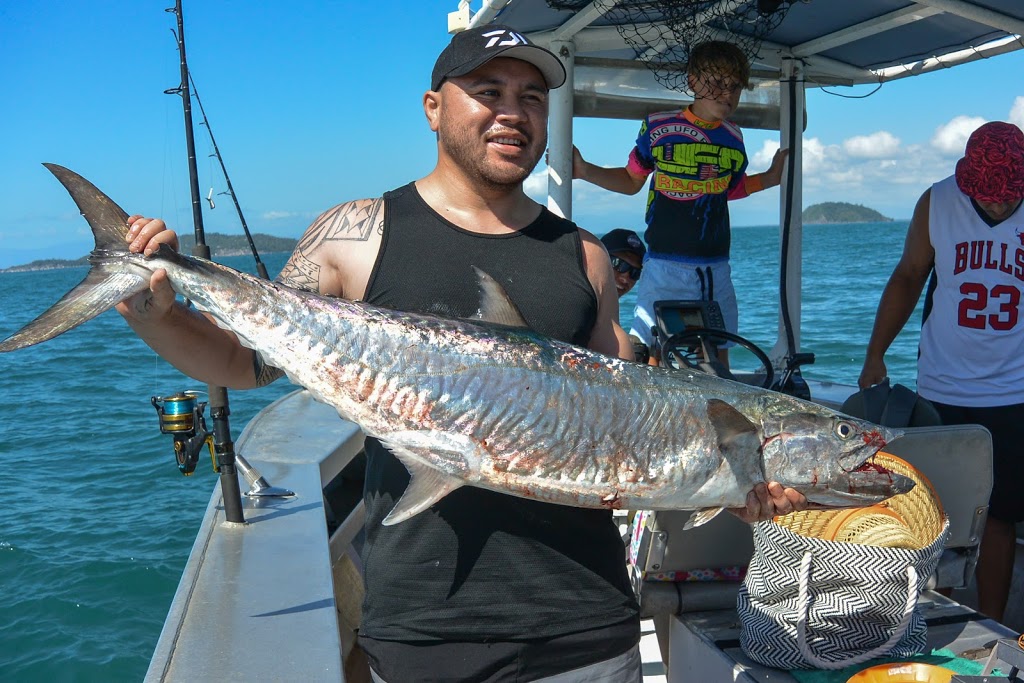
627, 252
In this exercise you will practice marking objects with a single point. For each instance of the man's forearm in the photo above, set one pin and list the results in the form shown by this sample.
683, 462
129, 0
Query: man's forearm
195, 345
894, 310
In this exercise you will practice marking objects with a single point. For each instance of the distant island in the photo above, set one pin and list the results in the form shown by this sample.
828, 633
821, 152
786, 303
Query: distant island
220, 245
841, 212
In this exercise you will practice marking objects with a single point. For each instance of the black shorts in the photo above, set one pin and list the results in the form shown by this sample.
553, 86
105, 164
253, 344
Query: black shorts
1006, 423
497, 661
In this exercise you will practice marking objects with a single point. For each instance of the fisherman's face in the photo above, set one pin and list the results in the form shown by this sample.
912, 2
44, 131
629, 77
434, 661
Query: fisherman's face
998, 211
492, 122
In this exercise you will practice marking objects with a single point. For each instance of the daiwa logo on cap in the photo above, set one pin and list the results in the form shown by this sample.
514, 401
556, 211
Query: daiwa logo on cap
474, 47
495, 39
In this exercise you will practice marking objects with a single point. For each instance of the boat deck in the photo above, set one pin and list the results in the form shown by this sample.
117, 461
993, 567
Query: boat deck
705, 645
650, 653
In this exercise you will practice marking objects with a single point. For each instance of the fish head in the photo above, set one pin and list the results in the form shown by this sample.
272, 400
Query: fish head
828, 457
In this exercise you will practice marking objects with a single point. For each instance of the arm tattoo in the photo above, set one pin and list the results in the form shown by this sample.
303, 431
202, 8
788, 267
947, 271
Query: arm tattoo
352, 221
300, 273
265, 374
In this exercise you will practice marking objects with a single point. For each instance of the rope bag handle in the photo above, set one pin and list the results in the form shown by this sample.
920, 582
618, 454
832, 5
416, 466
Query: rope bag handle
804, 604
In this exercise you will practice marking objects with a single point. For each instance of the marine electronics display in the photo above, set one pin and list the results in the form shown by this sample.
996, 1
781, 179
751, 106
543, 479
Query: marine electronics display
674, 316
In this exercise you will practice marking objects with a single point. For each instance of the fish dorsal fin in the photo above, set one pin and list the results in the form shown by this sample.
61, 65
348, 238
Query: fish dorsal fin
730, 424
495, 304
701, 517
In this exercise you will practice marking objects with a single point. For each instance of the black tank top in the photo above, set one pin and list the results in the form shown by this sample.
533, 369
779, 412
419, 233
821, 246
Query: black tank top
481, 566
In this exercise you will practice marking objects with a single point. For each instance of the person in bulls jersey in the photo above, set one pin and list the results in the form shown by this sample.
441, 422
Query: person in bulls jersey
966, 239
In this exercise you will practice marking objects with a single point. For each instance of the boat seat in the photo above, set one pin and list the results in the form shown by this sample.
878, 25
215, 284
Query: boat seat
677, 570
957, 460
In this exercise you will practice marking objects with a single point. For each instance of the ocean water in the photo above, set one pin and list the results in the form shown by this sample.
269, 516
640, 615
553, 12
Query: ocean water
844, 271
97, 522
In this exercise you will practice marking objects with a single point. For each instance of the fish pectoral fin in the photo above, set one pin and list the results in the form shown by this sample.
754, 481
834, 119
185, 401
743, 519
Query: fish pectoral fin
495, 304
426, 487
427, 484
702, 517
730, 424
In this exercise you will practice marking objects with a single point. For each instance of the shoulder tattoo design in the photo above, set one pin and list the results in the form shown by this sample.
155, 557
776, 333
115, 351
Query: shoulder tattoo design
350, 221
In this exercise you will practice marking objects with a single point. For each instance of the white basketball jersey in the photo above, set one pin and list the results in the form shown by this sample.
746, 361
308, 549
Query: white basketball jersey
972, 339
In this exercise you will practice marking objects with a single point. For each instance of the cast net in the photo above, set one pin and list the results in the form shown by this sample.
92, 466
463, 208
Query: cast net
664, 33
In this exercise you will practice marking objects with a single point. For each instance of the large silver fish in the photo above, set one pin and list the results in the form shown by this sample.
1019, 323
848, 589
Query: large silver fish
490, 403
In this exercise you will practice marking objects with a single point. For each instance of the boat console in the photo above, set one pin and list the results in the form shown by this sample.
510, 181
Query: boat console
688, 333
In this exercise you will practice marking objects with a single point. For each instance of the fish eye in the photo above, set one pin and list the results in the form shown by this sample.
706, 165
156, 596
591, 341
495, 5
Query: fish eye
844, 430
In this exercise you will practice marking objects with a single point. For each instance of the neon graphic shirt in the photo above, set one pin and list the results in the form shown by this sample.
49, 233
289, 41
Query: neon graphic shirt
696, 166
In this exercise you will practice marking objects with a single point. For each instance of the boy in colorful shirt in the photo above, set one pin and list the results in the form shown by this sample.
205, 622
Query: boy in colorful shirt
697, 162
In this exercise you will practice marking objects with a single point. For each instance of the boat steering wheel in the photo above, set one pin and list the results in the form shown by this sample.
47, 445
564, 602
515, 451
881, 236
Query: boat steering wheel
697, 347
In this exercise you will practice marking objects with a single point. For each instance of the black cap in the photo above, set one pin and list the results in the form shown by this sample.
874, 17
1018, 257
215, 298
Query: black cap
621, 239
474, 47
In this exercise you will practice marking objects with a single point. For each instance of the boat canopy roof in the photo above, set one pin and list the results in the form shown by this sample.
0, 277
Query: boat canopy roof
625, 59
838, 43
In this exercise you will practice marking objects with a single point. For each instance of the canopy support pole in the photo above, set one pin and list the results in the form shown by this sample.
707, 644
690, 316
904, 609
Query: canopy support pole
792, 105
560, 134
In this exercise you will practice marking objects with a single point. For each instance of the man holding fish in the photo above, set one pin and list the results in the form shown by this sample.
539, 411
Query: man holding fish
484, 583
464, 582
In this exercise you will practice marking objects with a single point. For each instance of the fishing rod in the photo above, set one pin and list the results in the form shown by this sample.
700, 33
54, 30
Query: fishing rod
260, 268
223, 446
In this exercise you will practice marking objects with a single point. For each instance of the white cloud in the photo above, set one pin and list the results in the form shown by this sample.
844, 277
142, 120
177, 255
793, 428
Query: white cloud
822, 161
536, 185
280, 215
593, 207
1017, 112
951, 138
879, 145
762, 158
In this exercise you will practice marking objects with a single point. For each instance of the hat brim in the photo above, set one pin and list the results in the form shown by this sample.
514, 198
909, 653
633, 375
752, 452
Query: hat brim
547, 63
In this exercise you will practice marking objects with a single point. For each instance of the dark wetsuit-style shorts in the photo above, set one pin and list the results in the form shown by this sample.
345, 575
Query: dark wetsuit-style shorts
1006, 423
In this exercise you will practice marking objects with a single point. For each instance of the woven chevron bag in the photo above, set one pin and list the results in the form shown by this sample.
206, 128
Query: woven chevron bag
814, 603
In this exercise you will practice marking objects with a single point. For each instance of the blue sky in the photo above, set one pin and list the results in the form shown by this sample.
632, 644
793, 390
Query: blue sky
313, 103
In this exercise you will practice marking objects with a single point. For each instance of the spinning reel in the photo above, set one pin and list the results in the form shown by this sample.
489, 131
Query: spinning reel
181, 416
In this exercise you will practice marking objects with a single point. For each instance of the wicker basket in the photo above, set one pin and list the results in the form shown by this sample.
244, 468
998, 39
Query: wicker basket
910, 520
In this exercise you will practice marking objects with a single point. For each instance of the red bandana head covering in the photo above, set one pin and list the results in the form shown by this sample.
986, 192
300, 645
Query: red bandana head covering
992, 169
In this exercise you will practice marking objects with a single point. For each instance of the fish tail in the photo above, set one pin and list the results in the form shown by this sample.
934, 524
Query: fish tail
108, 280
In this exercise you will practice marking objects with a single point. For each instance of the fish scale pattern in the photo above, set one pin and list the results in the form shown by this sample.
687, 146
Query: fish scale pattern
856, 601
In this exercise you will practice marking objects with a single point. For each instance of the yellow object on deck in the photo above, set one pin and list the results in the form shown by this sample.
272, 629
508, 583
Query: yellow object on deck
902, 672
